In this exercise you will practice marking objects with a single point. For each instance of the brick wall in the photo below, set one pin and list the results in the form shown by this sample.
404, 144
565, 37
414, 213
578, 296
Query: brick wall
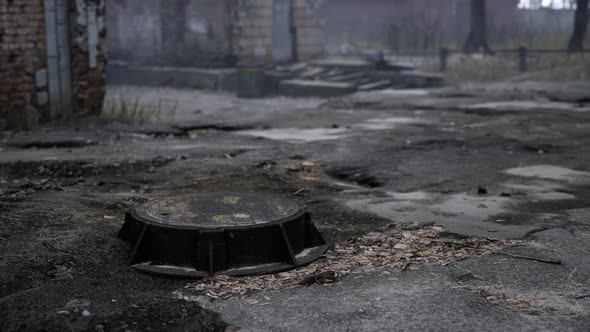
24, 80
188, 33
309, 27
22, 58
89, 85
253, 29
202, 33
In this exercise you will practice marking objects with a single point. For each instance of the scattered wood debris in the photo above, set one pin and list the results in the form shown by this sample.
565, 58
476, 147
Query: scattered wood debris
537, 259
397, 246
324, 278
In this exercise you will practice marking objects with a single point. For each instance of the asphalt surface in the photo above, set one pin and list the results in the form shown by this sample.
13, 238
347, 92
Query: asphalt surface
506, 161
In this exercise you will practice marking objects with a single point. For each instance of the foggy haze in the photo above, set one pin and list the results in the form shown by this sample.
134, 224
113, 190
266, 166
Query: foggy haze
294, 165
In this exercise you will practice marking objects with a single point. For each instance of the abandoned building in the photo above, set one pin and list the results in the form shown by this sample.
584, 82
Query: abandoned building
53, 53
52, 60
294, 165
213, 32
182, 50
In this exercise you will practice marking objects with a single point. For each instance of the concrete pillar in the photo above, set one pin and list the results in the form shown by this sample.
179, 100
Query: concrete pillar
282, 31
58, 58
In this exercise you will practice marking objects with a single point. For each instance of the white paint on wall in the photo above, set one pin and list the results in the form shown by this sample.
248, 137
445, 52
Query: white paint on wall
200, 26
92, 34
260, 50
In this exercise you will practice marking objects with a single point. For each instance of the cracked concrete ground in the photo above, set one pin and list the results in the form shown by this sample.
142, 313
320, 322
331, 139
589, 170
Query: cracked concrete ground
506, 161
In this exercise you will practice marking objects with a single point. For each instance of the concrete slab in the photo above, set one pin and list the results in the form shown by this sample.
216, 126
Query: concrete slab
308, 88
390, 123
296, 135
375, 85
461, 214
385, 300
404, 93
419, 79
416, 172
541, 190
274, 79
179, 77
525, 106
550, 172
345, 63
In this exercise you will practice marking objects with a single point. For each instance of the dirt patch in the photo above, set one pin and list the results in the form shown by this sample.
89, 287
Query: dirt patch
520, 303
62, 235
297, 179
59, 246
143, 314
76, 168
22, 179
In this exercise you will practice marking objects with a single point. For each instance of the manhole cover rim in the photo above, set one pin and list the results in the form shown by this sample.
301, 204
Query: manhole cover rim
199, 227
204, 250
141, 214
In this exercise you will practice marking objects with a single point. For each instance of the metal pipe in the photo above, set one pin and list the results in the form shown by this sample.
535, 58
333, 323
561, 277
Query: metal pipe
49, 7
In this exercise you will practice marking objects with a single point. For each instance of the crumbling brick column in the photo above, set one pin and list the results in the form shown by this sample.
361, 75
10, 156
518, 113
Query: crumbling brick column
89, 56
253, 29
309, 28
25, 78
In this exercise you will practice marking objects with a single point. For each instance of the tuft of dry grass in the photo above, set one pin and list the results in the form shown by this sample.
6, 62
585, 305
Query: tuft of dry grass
125, 110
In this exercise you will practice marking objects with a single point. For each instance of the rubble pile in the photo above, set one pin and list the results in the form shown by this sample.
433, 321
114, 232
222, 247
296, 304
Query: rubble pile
340, 76
396, 247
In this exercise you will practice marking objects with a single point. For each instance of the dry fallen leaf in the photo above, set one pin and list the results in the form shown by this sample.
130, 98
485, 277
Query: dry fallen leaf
394, 247
520, 303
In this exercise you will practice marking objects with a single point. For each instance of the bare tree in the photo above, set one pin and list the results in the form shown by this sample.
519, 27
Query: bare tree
477, 41
580, 26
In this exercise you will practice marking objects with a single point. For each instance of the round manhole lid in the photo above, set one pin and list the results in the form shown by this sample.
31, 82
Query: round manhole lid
216, 210
200, 235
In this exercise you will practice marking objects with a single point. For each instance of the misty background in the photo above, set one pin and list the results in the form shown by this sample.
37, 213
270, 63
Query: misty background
198, 33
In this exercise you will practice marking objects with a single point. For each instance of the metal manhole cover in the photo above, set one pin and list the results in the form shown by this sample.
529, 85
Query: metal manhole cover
217, 210
200, 235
